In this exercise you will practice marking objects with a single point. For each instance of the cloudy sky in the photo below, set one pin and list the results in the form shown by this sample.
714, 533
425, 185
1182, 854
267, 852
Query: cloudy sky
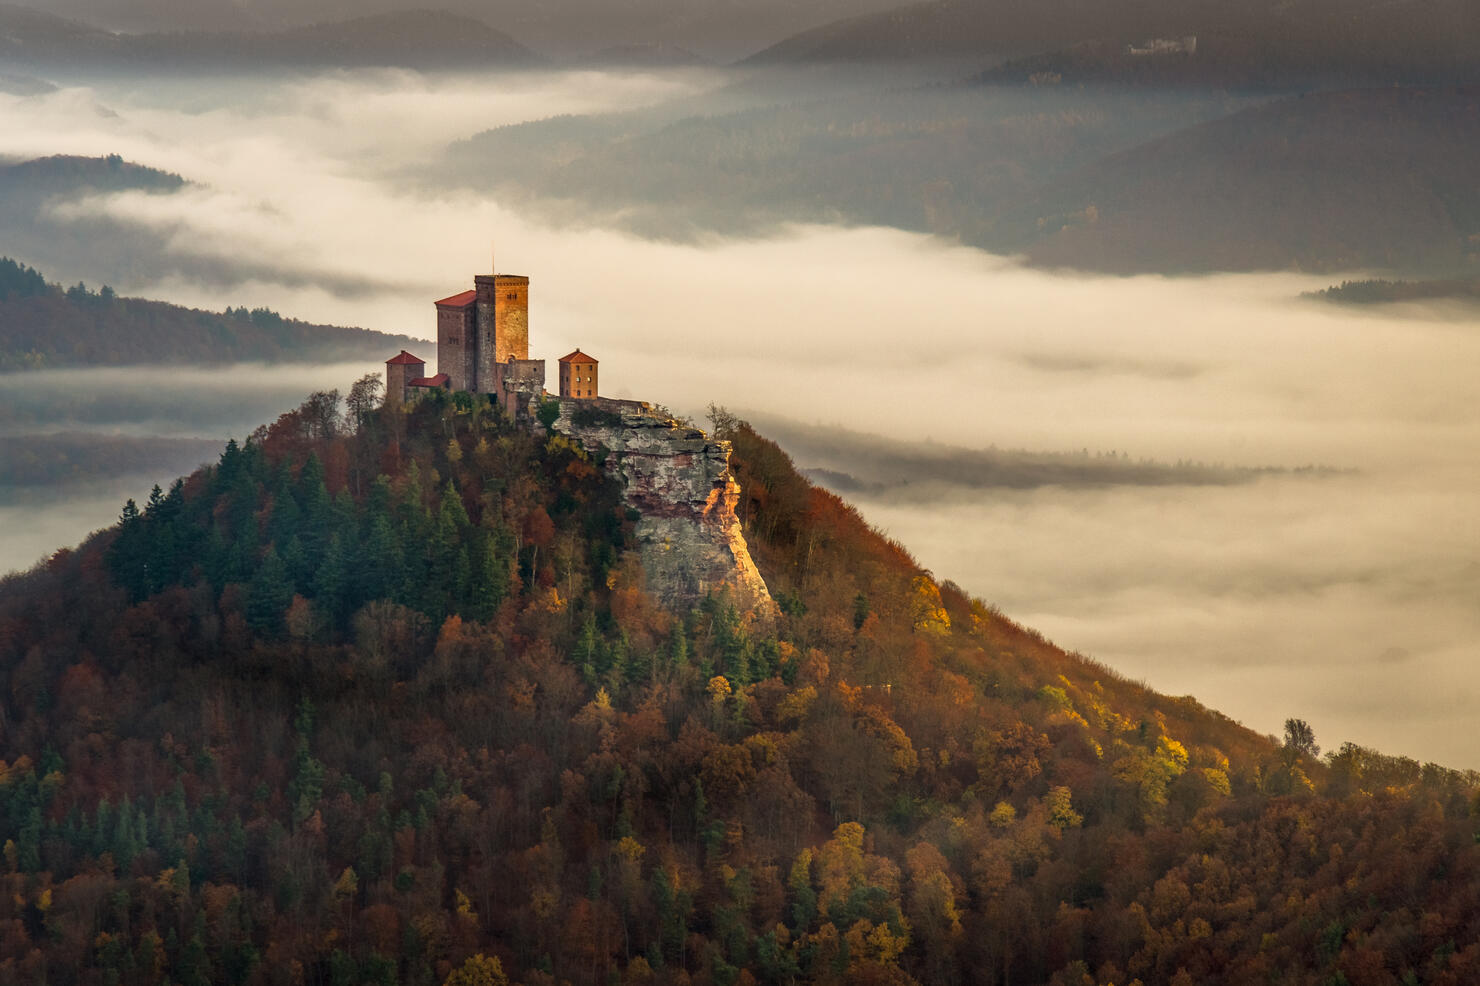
1349, 597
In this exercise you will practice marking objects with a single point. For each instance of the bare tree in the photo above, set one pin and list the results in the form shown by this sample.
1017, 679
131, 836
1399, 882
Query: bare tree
1300, 741
364, 397
321, 414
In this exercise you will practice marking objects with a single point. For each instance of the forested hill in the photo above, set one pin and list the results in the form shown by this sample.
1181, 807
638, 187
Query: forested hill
380, 698
45, 325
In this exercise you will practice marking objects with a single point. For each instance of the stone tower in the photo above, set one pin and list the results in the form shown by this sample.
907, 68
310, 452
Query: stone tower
503, 322
457, 341
481, 329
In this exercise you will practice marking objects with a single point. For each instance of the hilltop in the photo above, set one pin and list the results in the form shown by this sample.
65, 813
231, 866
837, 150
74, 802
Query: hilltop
44, 325
383, 697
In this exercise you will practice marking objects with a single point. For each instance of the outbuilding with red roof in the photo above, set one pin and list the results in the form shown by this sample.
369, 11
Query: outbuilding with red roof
578, 375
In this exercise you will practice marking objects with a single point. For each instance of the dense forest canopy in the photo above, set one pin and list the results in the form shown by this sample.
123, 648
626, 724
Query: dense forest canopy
380, 698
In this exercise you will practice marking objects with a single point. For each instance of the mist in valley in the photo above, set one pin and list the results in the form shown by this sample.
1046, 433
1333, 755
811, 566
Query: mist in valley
1118, 462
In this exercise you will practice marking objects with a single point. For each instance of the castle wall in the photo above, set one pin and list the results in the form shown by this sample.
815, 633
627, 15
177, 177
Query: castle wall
517, 381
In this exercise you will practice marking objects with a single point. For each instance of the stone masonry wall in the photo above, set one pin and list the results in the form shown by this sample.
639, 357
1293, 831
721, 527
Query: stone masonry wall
679, 482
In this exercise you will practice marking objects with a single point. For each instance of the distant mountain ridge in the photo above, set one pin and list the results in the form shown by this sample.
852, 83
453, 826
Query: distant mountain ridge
1397, 36
70, 174
1375, 178
422, 39
42, 326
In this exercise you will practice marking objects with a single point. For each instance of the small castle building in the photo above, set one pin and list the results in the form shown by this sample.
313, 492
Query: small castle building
399, 372
578, 375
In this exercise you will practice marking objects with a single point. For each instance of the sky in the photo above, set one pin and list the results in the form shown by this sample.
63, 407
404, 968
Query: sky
1346, 596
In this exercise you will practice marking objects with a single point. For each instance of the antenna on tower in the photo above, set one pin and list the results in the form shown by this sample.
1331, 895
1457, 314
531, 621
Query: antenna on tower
492, 264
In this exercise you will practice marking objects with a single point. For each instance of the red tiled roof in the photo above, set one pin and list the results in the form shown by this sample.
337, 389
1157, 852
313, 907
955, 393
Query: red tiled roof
405, 359
460, 300
578, 357
436, 381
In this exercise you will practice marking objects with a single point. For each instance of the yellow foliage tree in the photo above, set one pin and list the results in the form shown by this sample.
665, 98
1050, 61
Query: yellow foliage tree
478, 970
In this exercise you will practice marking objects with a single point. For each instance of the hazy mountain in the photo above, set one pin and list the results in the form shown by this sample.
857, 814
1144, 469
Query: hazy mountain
654, 54
25, 184
1238, 62
1406, 32
717, 29
1370, 178
427, 40
941, 159
1123, 178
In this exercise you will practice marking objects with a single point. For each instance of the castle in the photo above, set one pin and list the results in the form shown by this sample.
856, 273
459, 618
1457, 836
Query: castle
674, 478
483, 348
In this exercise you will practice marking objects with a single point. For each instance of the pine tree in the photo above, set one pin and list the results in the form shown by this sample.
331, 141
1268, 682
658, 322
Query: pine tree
333, 582
269, 595
128, 555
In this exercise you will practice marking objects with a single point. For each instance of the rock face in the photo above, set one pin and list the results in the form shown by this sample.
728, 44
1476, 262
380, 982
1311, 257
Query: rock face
679, 482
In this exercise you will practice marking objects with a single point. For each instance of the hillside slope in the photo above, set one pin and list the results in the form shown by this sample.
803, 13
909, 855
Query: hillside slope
43, 325
1330, 181
292, 721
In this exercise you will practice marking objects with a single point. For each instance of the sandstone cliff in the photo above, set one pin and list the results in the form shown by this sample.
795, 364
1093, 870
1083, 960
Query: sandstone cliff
679, 482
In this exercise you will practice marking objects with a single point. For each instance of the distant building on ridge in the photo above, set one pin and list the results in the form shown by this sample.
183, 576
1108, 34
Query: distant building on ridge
578, 375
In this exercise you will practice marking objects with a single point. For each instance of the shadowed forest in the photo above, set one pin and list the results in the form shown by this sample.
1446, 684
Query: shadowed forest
479, 749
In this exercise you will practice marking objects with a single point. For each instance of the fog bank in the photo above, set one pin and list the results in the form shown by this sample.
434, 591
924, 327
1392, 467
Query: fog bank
1346, 599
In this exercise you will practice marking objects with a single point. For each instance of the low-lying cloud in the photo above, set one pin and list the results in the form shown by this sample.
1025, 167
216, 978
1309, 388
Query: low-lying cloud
1275, 595
851, 461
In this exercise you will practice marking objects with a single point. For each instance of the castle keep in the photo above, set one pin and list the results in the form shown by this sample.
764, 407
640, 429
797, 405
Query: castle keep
481, 328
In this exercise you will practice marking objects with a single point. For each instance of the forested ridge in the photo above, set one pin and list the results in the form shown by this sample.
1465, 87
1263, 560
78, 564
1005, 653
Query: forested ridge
44, 325
380, 698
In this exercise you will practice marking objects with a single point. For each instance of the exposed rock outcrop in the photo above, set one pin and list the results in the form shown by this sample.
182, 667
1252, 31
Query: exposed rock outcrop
679, 482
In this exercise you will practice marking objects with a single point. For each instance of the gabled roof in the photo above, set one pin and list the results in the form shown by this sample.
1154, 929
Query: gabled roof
439, 380
405, 359
460, 300
578, 357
